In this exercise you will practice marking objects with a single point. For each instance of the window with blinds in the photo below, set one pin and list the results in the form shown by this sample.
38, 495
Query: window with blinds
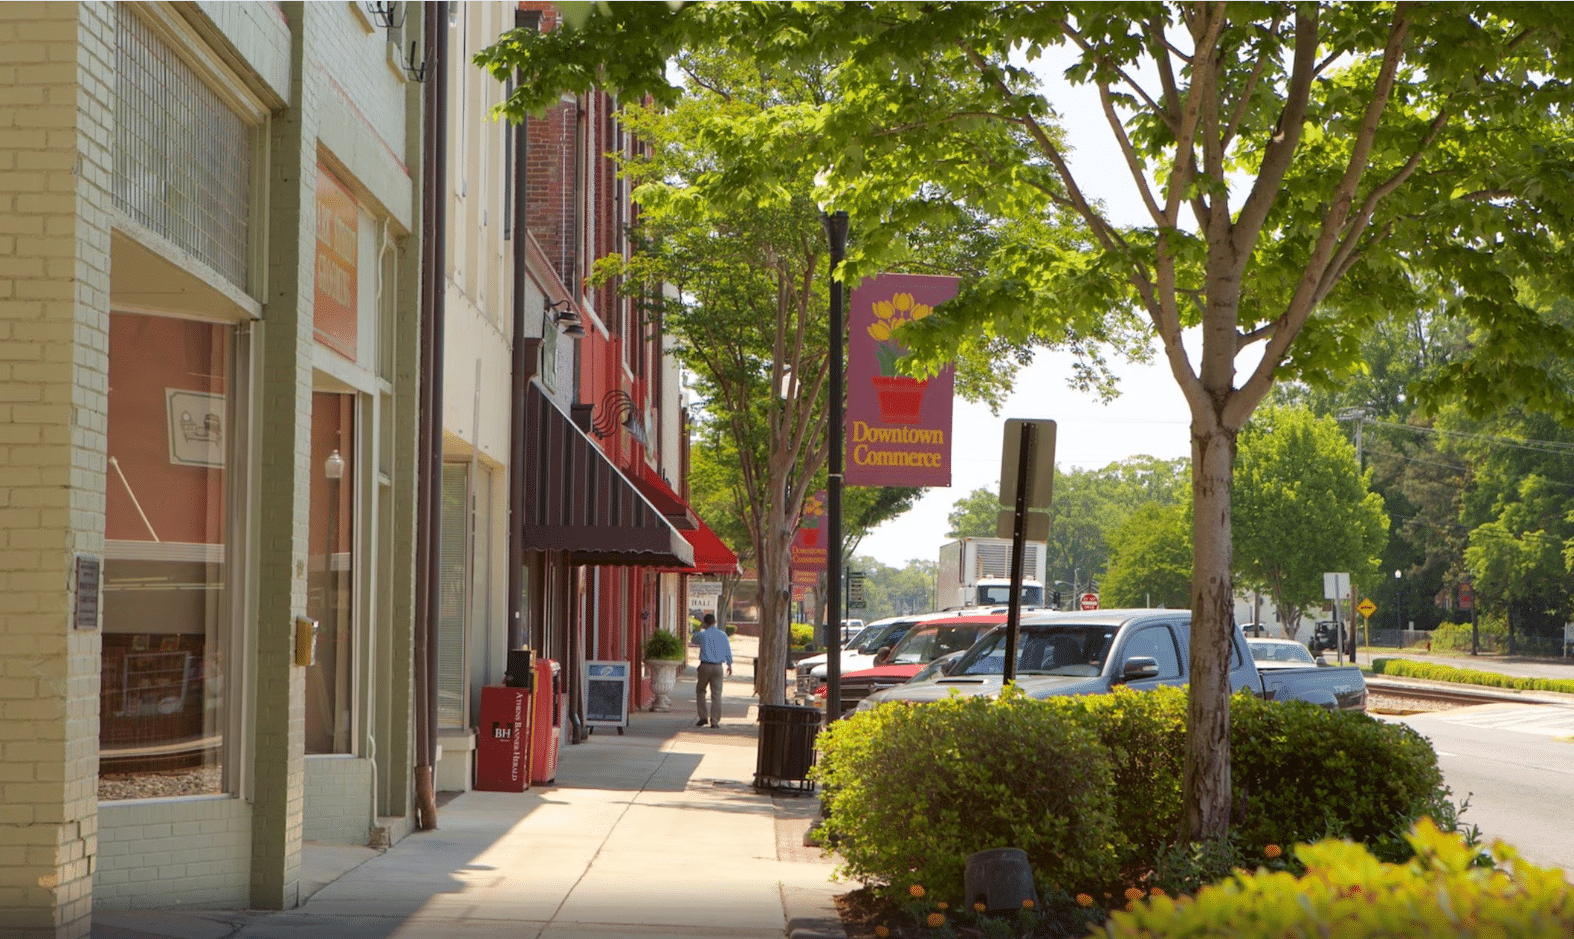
453, 603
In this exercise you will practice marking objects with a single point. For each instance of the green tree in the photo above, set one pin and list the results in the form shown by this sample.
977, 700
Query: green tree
1150, 559
1302, 509
716, 492
1287, 155
975, 515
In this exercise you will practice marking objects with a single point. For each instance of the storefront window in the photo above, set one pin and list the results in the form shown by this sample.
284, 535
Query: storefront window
330, 593
167, 573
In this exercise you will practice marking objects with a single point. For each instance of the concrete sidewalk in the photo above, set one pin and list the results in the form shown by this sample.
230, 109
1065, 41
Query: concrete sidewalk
652, 834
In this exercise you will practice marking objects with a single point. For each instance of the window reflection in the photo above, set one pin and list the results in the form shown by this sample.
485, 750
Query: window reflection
330, 599
165, 614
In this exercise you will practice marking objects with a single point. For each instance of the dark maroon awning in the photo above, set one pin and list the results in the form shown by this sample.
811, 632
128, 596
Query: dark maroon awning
577, 501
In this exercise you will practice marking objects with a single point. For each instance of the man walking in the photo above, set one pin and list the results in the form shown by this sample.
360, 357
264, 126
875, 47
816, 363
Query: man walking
715, 653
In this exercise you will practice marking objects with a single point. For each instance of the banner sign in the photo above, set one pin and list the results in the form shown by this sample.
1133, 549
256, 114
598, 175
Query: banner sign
898, 427
808, 544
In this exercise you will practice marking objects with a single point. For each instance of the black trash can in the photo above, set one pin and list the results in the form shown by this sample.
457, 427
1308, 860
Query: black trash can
786, 747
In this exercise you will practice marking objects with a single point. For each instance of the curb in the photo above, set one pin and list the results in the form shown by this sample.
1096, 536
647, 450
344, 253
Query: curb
1488, 693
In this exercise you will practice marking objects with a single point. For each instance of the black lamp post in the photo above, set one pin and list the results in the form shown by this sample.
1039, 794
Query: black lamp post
836, 229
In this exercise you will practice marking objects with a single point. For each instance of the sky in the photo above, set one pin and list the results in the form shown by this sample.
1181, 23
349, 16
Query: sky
1149, 417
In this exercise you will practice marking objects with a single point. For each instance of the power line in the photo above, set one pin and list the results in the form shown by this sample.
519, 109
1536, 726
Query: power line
1523, 443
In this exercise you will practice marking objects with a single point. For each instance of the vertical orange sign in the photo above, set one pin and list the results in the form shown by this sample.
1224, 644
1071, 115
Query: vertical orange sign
338, 246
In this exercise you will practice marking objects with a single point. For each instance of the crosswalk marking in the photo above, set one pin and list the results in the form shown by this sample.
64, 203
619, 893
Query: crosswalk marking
1548, 720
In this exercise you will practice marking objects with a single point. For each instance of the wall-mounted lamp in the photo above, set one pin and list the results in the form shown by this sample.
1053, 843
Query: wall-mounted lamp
565, 318
618, 409
333, 467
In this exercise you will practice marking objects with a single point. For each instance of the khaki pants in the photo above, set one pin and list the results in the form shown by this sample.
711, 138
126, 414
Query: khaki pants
709, 677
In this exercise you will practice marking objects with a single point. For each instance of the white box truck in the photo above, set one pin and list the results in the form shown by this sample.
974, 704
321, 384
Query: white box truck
976, 572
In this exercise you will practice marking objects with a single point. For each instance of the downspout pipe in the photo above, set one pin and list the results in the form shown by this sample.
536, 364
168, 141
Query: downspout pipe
522, 369
430, 458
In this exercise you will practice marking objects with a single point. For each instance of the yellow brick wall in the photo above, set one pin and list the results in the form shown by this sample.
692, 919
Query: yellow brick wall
55, 165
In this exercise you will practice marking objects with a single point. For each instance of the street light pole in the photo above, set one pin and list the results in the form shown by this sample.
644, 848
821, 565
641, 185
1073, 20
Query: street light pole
836, 230
1398, 613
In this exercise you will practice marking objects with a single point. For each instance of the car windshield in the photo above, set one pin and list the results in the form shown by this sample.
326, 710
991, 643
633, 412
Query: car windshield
876, 638
929, 642
1280, 652
1042, 650
935, 669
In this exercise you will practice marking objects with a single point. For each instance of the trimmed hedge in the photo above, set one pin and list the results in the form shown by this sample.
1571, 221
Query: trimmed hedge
1406, 668
1300, 773
1347, 893
1090, 786
910, 792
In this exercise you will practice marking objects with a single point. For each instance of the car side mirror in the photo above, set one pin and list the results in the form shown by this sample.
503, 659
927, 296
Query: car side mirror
882, 655
946, 666
1139, 667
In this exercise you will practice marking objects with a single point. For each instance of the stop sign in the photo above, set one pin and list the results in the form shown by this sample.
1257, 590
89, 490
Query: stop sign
1090, 601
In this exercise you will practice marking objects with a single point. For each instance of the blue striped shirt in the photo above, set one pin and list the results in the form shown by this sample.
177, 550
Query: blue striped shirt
714, 647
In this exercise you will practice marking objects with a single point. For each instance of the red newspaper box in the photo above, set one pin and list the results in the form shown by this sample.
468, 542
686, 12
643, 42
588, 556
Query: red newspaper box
501, 739
547, 723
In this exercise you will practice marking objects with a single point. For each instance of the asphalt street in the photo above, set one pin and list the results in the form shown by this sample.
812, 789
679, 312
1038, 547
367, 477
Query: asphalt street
1515, 763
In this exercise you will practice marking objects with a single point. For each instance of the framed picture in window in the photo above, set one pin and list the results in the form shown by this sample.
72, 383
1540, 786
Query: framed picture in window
196, 427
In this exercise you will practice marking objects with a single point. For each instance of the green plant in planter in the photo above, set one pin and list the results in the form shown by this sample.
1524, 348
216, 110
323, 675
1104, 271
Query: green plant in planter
663, 644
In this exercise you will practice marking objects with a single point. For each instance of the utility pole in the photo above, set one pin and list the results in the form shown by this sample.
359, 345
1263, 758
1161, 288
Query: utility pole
1358, 415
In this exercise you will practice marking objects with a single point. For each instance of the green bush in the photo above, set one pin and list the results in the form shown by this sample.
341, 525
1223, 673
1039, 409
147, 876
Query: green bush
1404, 668
1144, 738
663, 644
802, 636
911, 791
1300, 773
1349, 893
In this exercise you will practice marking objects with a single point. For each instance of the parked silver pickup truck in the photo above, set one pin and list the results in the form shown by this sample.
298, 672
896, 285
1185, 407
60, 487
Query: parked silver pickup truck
1092, 652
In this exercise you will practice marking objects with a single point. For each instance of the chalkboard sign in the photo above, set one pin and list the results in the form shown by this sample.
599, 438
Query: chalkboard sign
606, 694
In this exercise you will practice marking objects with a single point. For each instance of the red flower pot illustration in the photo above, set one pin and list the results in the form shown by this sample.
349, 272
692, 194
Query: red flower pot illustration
811, 536
901, 397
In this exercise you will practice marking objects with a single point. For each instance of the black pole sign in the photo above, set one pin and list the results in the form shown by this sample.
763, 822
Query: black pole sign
836, 230
1025, 485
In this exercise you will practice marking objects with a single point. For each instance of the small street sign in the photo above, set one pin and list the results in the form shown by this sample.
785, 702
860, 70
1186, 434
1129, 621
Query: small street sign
1090, 601
856, 599
1366, 607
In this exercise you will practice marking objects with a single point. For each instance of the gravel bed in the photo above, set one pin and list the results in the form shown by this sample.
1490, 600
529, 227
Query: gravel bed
1384, 703
186, 782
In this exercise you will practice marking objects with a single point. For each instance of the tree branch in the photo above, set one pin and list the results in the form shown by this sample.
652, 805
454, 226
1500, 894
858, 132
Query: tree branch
1249, 87
1132, 162
1281, 147
1108, 236
1304, 299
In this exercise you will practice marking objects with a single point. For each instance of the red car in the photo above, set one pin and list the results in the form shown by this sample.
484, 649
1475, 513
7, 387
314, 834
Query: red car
925, 643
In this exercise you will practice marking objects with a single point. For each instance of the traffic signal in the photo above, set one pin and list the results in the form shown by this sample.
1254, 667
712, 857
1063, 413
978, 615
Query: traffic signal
1056, 597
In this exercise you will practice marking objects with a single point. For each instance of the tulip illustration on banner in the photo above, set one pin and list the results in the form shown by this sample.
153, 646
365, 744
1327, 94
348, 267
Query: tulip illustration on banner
809, 523
901, 396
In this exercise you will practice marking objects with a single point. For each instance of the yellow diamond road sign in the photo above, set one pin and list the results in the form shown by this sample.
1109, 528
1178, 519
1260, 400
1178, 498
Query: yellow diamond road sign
1366, 607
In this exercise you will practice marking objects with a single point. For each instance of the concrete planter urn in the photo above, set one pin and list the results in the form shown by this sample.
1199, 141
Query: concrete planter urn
663, 655
663, 678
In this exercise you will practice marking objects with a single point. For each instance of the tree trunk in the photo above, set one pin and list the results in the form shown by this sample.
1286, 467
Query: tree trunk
770, 679
1206, 780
